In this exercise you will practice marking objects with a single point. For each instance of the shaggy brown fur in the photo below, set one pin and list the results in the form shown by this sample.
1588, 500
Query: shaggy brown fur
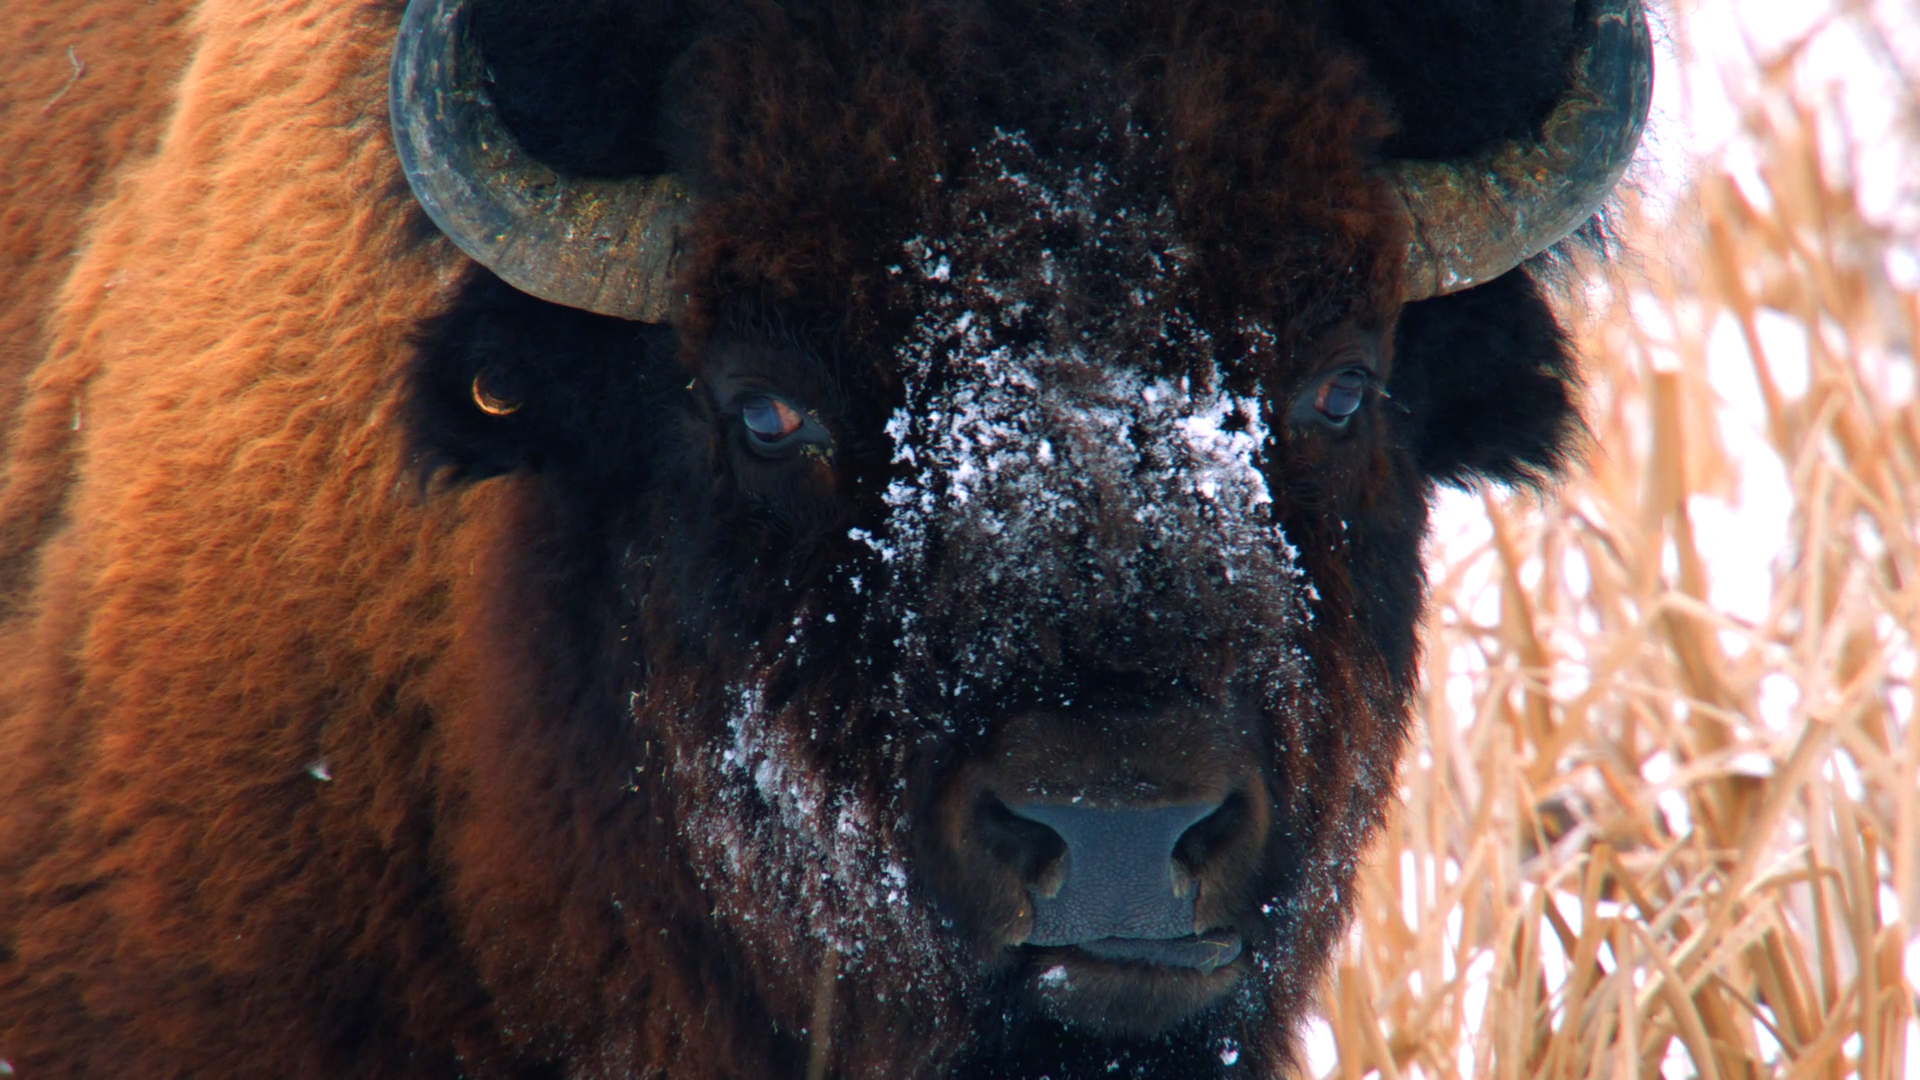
228, 342
307, 770
86, 89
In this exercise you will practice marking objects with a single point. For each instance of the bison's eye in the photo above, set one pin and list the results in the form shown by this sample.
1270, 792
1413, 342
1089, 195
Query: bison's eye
777, 429
768, 419
1337, 397
1340, 396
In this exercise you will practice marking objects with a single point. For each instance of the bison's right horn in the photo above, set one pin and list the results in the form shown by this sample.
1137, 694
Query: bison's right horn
606, 246
1471, 221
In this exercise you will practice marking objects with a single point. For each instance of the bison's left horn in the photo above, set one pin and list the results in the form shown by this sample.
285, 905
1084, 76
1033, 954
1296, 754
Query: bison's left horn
607, 246
1471, 221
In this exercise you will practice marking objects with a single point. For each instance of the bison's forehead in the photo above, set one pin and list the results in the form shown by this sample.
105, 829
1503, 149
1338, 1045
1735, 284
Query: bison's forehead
1067, 440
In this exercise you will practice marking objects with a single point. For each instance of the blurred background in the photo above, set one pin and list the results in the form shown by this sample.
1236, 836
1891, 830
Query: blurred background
1662, 813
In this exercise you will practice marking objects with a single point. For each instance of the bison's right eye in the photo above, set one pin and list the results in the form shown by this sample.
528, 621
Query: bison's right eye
1340, 396
776, 429
1333, 402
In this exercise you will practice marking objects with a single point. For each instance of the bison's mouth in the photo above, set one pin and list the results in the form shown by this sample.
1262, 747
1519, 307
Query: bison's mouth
1195, 952
1134, 987
1107, 863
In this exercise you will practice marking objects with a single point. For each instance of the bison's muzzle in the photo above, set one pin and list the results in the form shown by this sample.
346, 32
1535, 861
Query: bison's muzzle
1108, 862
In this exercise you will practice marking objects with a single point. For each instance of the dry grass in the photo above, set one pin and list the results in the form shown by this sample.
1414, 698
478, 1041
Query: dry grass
1651, 824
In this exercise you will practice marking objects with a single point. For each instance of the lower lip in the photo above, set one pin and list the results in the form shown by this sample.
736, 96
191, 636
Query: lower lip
1128, 993
1204, 953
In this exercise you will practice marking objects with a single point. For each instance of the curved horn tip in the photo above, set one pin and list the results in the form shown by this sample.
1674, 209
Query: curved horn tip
1471, 221
606, 246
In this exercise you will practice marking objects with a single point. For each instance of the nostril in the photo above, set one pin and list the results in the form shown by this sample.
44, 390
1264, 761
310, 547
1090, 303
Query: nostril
1117, 877
1208, 837
1032, 849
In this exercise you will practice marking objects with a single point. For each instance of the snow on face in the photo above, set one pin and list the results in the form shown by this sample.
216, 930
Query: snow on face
1066, 446
1066, 437
779, 842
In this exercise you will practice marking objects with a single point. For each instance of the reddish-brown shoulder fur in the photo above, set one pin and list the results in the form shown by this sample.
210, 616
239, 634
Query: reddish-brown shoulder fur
181, 894
86, 89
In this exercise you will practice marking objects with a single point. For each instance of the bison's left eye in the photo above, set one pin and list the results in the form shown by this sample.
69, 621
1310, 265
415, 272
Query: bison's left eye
768, 419
777, 429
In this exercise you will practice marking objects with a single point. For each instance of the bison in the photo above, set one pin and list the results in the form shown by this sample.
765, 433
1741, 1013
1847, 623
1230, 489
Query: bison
768, 538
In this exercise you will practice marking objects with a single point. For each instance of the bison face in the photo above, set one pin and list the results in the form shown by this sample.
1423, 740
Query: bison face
1046, 710
998, 572
1091, 594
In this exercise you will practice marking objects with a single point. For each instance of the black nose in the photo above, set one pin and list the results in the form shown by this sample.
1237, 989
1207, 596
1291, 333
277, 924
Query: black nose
1118, 877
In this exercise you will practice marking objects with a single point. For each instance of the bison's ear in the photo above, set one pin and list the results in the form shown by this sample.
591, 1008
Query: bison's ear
585, 85
504, 382
1486, 380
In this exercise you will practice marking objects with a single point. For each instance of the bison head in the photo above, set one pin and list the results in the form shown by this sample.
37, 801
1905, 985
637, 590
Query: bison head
970, 488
